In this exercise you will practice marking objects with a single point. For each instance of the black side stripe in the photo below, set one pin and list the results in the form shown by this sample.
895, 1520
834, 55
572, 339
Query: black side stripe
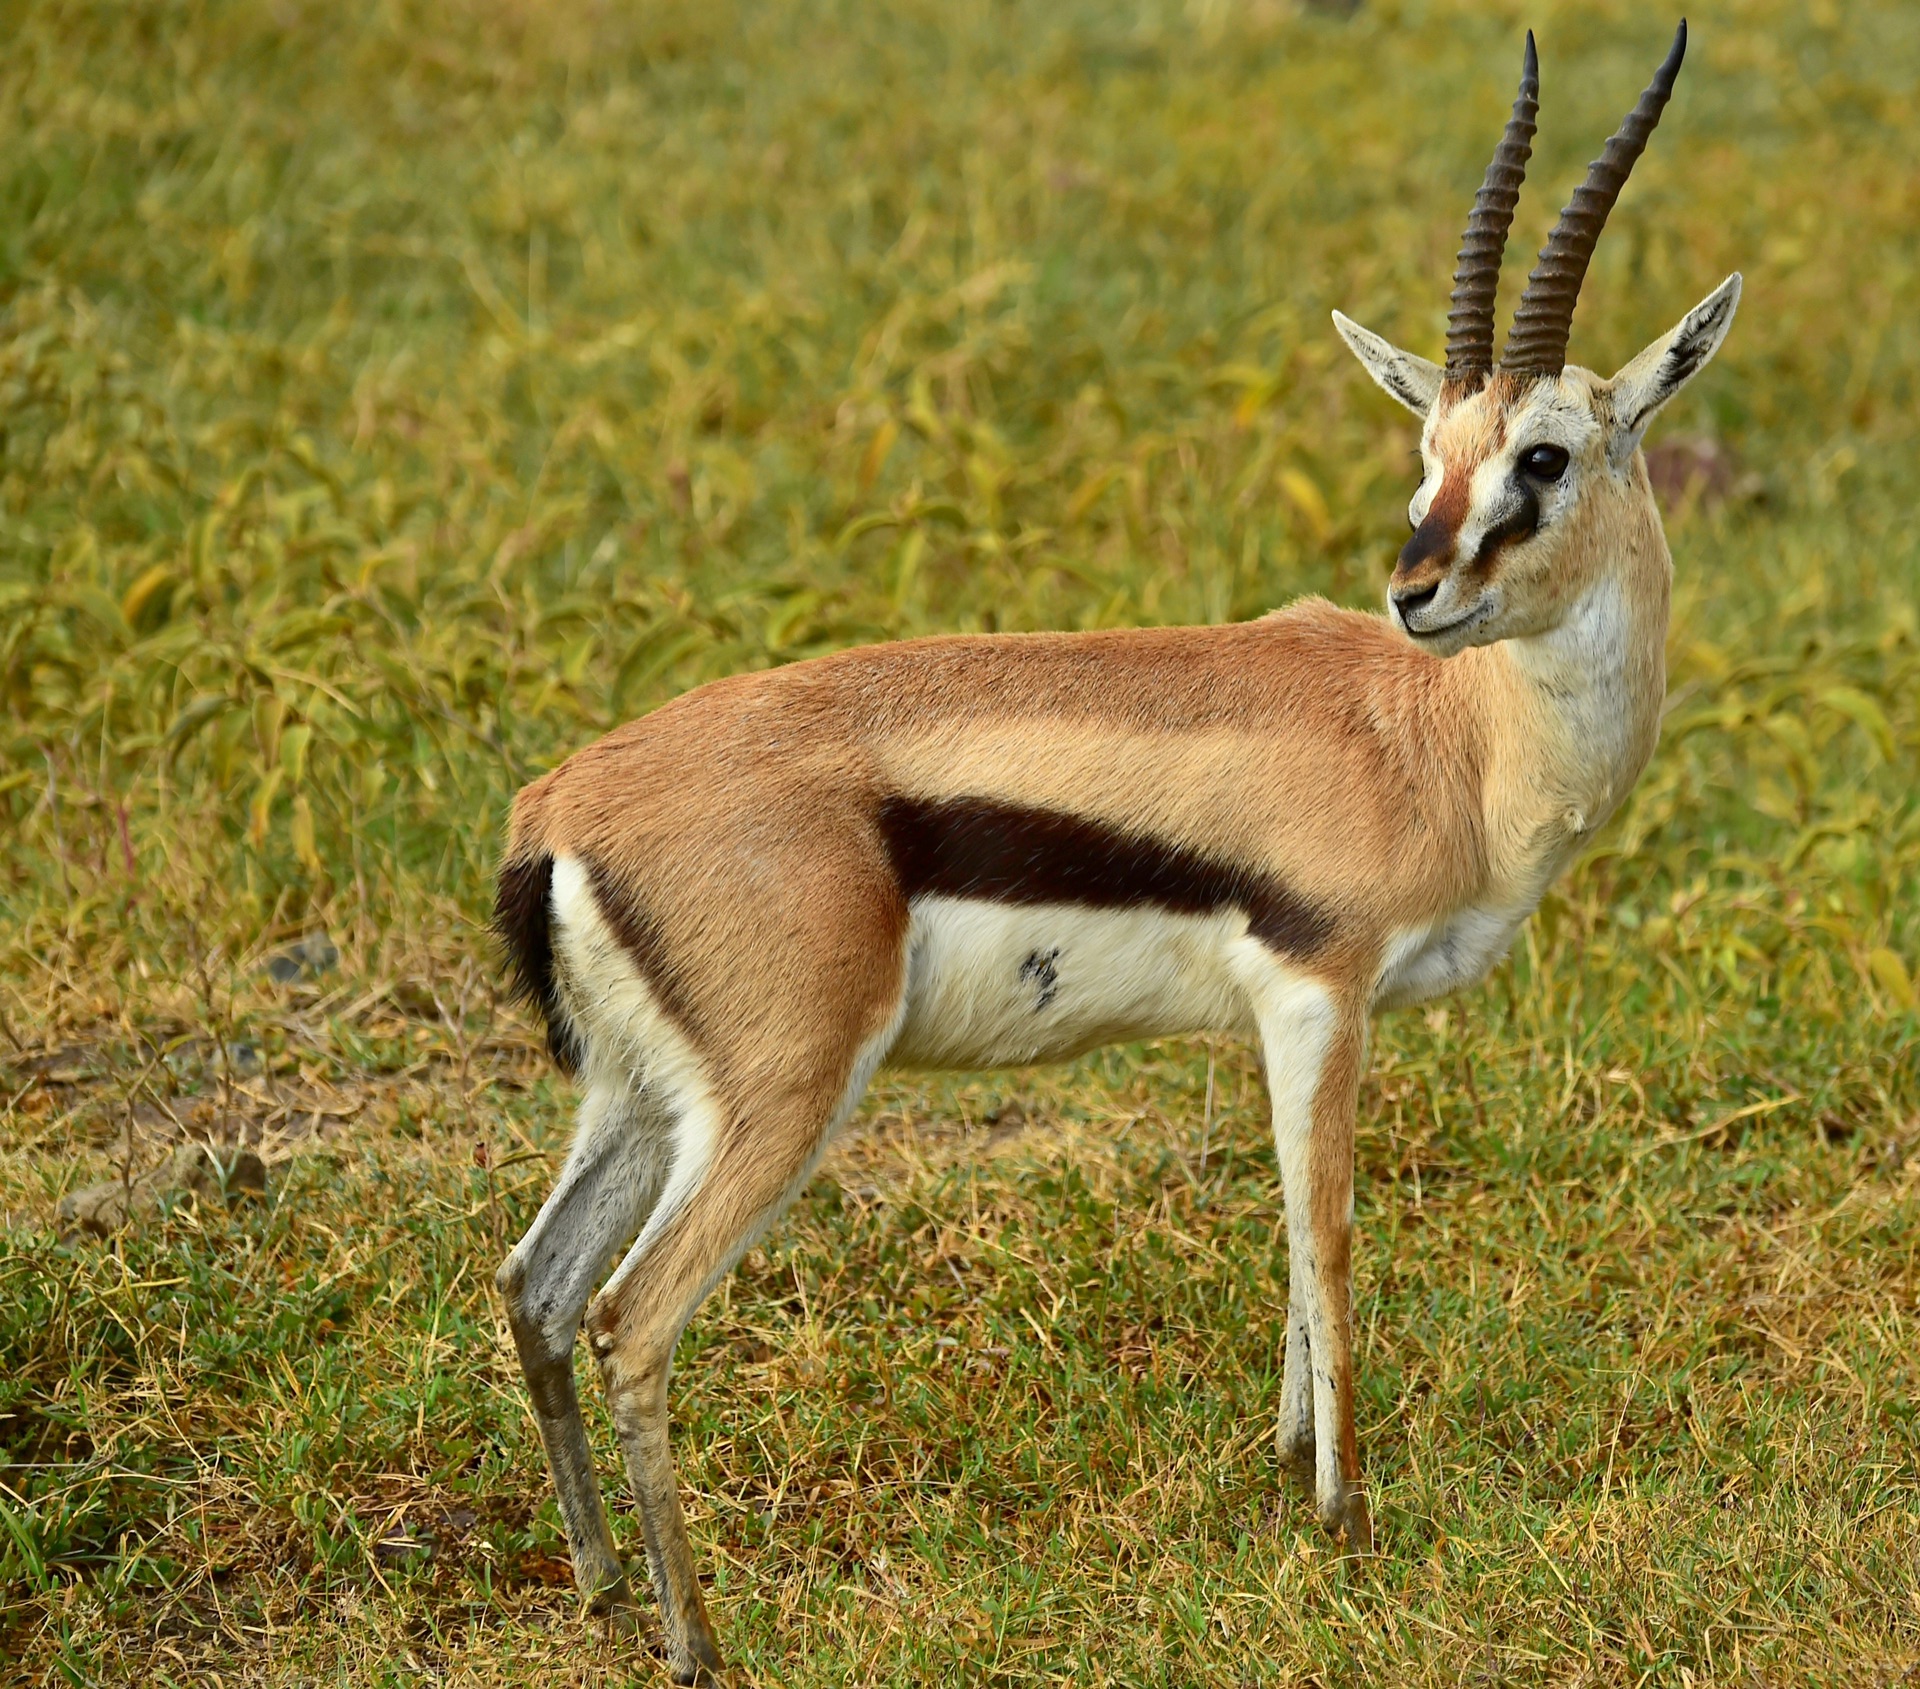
1007, 853
523, 917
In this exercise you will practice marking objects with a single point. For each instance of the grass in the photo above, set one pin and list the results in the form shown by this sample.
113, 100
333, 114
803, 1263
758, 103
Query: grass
393, 397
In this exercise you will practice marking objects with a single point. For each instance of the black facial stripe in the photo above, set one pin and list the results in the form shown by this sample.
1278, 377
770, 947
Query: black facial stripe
1520, 520
1433, 538
1007, 853
1439, 527
523, 917
640, 936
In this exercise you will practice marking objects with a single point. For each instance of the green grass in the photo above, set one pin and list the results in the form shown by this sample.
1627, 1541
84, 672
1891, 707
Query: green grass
393, 397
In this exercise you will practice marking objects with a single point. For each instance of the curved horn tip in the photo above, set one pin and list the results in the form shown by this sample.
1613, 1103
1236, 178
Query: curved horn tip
1670, 68
1537, 339
1477, 271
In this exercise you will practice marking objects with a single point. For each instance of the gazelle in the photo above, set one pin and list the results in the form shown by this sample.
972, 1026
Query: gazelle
988, 851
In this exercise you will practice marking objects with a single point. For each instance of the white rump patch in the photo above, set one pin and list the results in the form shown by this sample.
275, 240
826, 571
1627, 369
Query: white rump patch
631, 1041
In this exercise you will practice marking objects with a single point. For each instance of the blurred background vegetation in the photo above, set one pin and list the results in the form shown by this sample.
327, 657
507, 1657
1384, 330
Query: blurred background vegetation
394, 397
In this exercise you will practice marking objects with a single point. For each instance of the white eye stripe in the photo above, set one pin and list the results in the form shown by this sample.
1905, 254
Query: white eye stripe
1423, 497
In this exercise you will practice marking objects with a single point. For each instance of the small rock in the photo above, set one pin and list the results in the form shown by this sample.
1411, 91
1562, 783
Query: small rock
99, 1209
1007, 1121
312, 956
197, 1170
319, 952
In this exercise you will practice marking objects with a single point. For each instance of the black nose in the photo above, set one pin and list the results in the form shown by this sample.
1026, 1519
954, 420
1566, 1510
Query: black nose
1410, 599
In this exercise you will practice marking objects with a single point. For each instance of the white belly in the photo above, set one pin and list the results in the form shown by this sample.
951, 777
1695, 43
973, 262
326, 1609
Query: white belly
1003, 985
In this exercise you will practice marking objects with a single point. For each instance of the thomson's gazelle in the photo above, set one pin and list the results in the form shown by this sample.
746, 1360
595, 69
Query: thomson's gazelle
974, 852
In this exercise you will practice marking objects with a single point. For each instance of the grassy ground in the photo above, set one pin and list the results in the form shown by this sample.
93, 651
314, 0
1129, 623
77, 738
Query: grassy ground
392, 397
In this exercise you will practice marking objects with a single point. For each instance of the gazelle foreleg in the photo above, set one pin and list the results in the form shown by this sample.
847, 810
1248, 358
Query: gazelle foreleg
597, 1204
1315, 1043
1296, 1386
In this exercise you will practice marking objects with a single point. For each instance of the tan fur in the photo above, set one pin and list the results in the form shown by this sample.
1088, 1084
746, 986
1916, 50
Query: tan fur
754, 942
1317, 741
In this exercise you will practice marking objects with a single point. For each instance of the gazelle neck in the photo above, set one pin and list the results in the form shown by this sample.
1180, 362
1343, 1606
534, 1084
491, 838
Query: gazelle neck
1577, 707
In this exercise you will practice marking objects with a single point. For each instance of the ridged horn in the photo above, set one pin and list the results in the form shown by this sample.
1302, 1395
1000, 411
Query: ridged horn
1537, 342
1477, 274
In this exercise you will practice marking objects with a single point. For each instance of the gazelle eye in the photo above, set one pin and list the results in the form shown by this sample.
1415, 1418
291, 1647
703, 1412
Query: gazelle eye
1545, 463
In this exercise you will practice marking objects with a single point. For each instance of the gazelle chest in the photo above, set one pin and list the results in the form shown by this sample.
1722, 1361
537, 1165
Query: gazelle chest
1432, 960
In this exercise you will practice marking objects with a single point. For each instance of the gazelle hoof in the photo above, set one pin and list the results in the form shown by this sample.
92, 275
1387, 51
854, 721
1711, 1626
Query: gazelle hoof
1297, 1458
1350, 1521
610, 1598
708, 1676
698, 1662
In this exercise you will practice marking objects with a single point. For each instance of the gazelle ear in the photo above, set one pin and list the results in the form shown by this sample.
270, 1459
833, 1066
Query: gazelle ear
1671, 362
1410, 379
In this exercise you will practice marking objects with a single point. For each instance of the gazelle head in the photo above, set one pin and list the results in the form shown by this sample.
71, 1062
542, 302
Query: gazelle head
1529, 462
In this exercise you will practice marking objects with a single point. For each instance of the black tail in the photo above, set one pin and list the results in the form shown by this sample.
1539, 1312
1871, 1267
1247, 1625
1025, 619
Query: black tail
523, 917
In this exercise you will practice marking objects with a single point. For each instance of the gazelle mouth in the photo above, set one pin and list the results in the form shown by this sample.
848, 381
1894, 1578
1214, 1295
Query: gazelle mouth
1479, 613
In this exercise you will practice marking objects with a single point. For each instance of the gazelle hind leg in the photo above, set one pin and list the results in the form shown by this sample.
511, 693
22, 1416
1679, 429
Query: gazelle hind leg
747, 1163
597, 1204
1314, 1046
